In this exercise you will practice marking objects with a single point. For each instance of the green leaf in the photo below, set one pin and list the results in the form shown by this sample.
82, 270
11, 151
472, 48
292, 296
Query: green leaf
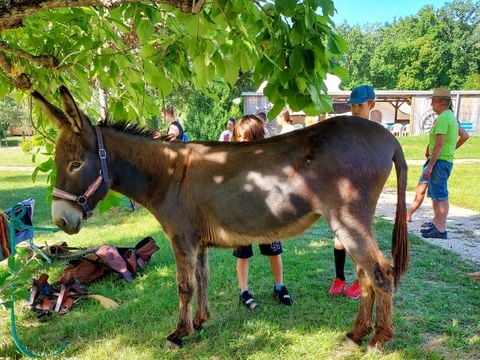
271, 91
341, 72
4, 276
8, 304
165, 87
46, 165
145, 31
301, 83
231, 72
336, 44
297, 34
153, 74
113, 70
148, 51
296, 60
327, 6
310, 17
192, 25
5, 87
287, 7
323, 106
277, 107
12, 264
113, 199
298, 101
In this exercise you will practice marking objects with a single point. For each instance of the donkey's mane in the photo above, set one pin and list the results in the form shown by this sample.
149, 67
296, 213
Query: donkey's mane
127, 127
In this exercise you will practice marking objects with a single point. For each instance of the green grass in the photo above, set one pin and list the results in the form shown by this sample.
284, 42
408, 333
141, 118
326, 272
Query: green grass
14, 156
414, 147
435, 308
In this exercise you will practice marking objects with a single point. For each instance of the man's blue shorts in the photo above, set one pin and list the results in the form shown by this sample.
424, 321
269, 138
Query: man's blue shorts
437, 186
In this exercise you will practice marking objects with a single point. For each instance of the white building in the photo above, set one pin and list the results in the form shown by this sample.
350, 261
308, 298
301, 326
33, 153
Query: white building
411, 109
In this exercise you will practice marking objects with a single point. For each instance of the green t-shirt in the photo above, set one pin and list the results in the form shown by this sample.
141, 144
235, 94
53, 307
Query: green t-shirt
447, 125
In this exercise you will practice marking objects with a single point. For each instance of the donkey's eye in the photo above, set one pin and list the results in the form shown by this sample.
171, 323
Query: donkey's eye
74, 165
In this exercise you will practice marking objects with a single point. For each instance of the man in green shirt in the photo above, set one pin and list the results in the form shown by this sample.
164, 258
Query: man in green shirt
441, 147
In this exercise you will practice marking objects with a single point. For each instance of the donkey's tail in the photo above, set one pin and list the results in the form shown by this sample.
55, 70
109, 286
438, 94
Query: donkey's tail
400, 244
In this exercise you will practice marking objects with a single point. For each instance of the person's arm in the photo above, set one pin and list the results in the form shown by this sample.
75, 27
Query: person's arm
173, 132
462, 136
439, 140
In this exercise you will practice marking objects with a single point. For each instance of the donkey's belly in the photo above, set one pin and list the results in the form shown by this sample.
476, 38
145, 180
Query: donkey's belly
265, 233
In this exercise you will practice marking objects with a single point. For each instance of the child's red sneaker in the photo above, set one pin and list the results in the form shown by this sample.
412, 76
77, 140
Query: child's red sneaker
337, 287
353, 291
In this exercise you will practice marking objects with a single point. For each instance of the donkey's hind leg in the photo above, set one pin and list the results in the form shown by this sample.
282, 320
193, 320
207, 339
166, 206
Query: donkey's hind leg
377, 287
186, 282
363, 321
376, 282
201, 274
382, 276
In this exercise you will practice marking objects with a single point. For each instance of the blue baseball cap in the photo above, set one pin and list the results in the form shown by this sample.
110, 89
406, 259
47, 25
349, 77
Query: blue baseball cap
361, 93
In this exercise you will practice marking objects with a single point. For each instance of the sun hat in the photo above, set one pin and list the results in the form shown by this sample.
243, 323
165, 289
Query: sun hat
361, 93
441, 92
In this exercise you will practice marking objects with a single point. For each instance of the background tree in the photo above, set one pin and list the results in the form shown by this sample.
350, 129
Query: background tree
472, 82
204, 114
12, 113
432, 48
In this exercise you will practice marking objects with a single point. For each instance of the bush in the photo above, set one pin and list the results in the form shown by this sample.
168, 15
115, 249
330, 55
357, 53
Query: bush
206, 117
27, 146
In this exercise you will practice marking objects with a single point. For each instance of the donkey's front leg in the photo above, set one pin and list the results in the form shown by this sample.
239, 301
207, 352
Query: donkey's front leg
201, 273
185, 260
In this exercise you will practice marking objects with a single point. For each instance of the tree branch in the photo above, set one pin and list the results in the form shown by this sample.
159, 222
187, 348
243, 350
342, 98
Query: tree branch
20, 80
47, 61
13, 12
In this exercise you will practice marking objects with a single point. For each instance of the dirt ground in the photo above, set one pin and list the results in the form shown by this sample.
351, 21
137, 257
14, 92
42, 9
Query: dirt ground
463, 225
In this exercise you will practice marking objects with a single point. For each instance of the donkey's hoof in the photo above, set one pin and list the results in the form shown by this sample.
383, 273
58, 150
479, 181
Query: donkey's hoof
173, 342
375, 349
349, 343
350, 340
173, 345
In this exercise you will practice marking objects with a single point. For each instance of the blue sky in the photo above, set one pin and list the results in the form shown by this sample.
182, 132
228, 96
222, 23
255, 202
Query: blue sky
357, 12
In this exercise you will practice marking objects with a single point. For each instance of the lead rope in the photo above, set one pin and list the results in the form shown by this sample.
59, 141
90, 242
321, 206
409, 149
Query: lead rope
14, 220
20, 346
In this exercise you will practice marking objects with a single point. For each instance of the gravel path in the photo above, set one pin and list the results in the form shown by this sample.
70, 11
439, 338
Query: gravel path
463, 225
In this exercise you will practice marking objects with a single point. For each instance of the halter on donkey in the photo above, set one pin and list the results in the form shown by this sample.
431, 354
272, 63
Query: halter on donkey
231, 194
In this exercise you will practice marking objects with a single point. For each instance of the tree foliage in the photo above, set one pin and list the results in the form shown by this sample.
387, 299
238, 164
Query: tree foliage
140, 51
429, 49
12, 113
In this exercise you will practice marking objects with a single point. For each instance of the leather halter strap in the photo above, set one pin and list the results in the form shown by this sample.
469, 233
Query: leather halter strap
82, 200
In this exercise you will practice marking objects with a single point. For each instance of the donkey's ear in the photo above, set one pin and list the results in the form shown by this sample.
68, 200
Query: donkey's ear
78, 120
52, 111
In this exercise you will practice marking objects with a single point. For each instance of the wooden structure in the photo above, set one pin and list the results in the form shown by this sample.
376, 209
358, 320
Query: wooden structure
389, 103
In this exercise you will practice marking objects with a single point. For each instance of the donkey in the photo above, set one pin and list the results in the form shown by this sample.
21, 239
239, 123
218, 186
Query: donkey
232, 194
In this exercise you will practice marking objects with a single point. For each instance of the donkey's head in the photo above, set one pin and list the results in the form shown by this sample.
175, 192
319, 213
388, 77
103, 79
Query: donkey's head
80, 183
